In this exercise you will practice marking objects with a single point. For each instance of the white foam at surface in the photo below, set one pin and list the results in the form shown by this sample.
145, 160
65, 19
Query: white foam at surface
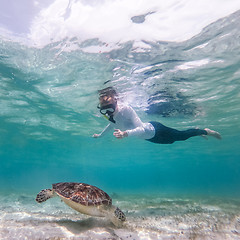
110, 21
192, 64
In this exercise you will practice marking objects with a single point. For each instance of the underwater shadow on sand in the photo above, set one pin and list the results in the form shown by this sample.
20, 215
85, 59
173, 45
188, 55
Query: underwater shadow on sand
77, 227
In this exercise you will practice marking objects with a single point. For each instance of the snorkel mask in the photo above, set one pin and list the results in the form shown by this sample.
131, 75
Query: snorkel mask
108, 109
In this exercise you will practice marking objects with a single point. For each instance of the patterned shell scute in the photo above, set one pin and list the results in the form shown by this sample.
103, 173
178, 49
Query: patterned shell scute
82, 193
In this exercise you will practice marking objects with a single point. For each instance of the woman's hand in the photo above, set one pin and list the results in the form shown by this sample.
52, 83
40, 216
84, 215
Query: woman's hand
119, 134
95, 135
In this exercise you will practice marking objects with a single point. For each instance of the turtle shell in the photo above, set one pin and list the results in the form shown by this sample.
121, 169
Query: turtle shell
82, 193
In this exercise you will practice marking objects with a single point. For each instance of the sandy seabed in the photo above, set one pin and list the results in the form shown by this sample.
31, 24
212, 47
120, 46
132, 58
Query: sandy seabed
147, 218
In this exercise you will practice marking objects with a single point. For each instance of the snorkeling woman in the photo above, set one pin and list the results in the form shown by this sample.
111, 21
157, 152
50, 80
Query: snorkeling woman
124, 121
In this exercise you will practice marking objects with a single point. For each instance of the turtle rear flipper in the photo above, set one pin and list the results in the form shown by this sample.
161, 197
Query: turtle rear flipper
44, 195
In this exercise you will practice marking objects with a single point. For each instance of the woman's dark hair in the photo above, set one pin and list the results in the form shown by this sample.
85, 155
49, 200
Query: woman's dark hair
109, 91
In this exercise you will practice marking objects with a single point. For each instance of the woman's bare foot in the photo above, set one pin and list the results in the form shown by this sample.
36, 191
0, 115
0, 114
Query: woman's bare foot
213, 133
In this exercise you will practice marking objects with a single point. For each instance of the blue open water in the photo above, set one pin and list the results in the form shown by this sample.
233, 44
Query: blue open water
48, 113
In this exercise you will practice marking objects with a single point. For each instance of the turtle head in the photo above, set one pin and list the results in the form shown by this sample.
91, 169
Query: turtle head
120, 215
117, 217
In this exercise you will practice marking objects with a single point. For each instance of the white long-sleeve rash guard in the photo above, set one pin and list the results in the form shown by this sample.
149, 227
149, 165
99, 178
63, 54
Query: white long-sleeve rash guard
127, 120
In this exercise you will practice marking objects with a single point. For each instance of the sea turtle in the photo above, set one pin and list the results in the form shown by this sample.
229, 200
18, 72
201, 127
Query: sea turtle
84, 198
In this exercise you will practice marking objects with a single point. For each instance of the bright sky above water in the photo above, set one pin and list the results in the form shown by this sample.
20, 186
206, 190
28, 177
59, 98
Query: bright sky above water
17, 16
111, 21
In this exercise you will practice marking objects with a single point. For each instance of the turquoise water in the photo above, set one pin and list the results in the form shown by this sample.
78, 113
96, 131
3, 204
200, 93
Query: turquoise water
48, 99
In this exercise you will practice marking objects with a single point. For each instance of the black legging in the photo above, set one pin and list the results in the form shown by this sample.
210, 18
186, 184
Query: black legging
166, 135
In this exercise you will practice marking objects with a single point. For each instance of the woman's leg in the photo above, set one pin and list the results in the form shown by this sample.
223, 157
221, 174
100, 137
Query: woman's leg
184, 135
166, 135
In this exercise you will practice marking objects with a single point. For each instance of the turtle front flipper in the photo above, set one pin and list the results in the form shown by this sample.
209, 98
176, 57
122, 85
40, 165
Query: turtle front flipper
44, 195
